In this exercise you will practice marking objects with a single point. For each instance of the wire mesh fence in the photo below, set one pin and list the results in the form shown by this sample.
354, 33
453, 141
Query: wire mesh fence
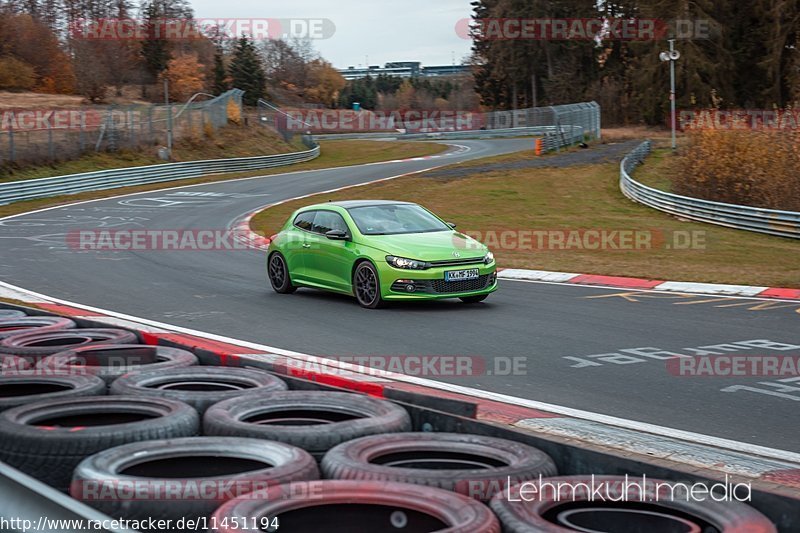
573, 120
48, 135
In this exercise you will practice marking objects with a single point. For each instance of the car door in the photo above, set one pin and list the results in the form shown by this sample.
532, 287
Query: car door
297, 245
329, 262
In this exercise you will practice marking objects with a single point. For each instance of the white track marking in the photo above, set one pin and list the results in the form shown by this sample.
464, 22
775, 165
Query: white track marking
72, 204
627, 289
695, 438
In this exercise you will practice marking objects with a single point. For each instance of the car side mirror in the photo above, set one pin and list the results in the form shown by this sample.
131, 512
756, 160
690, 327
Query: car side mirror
451, 225
336, 235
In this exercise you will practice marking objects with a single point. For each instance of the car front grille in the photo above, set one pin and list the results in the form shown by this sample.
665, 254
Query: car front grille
457, 262
441, 286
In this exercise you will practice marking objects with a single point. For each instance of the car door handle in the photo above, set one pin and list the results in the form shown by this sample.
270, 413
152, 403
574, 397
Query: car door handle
306, 245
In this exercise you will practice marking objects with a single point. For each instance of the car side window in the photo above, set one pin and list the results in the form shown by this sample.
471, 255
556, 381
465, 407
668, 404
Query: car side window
305, 220
326, 221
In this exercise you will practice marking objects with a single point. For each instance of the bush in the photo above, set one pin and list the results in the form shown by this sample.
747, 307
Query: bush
755, 168
16, 74
234, 112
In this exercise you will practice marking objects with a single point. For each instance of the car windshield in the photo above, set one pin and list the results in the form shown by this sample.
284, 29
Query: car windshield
395, 219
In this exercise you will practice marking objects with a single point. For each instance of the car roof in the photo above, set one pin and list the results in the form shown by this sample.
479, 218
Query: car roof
350, 204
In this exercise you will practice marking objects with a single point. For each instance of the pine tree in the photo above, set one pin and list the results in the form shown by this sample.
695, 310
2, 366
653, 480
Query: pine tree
220, 76
154, 49
247, 72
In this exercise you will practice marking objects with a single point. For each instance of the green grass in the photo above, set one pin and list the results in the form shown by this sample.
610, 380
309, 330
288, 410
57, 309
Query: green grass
232, 141
334, 154
658, 169
580, 198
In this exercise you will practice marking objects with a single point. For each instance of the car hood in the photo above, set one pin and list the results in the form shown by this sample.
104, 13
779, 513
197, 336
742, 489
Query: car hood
434, 246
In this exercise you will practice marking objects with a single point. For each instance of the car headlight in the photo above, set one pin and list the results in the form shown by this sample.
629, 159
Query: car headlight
488, 258
407, 264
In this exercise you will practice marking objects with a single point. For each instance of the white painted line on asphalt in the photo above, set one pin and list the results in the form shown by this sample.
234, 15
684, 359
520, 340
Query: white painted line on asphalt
72, 204
124, 323
535, 275
695, 438
626, 440
626, 289
10, 292
710, 288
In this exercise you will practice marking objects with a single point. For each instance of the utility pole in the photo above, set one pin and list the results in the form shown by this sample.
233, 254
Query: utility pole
169, 117
672, 56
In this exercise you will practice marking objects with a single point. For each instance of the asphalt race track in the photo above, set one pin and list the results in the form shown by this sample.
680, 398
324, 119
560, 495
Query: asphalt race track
549, 330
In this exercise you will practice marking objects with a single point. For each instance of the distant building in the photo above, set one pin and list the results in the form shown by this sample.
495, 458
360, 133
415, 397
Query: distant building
402, 69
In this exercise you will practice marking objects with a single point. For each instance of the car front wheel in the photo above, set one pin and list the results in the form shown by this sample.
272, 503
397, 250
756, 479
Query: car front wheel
366, 286
279, 275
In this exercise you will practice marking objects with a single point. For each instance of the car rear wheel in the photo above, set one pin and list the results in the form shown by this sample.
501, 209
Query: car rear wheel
474, 299
367, 287
279, 275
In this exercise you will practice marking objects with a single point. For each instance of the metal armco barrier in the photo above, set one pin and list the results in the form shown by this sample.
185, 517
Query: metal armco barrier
553, 137
16, 191
769, 221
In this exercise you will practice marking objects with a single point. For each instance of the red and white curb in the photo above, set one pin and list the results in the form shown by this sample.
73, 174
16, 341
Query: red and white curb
650, 284
628, 437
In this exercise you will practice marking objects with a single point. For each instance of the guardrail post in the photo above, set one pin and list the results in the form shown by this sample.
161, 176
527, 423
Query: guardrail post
50, 149
150, 124
12, 156
82, 133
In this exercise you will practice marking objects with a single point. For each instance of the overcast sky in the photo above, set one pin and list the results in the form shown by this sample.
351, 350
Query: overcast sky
384, 30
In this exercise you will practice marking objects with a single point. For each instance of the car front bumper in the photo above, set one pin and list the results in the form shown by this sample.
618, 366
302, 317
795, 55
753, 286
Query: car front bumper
400, 284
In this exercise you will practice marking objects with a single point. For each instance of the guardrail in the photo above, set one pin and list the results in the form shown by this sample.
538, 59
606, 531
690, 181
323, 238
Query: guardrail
554, 137
769, 221
16, 191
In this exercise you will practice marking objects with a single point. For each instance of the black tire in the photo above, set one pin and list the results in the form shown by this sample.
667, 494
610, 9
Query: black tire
48, 439
114, 360
473, 465
313, 420
278, 274
35, 345
542, 512
312, 506
5, 314
28, 324
11, 364
26, 389
367, 286
200, 387
474, 299
201, 473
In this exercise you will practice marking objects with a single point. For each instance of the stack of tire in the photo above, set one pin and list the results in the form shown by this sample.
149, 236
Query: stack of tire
144, 432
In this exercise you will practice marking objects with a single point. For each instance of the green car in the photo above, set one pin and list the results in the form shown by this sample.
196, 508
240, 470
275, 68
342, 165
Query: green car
378, 251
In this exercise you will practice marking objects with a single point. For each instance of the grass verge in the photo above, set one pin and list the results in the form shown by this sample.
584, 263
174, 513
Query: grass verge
231, 141
580, 198
658, 169
334, 154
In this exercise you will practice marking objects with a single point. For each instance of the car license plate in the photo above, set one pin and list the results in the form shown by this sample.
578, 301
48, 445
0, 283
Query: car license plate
461, 275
